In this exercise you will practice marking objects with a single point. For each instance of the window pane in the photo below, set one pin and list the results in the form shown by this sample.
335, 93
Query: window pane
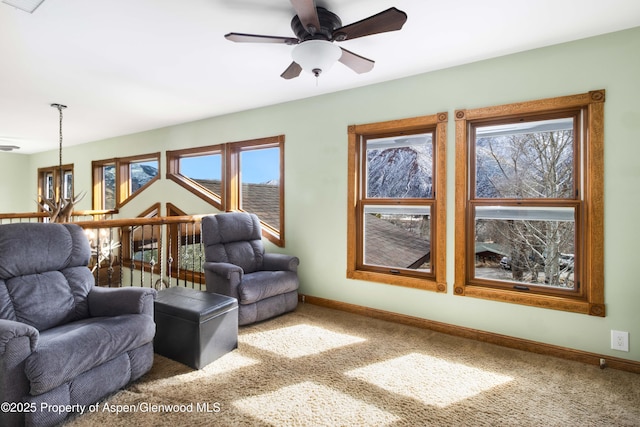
525, 160
526, 245
400, 167
206, 170
191, 257
141, 173
49, 187
398, 237
68, 185
260, 184
109, 186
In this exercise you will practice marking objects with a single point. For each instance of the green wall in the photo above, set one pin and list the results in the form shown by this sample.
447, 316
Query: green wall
13, 167
316, 179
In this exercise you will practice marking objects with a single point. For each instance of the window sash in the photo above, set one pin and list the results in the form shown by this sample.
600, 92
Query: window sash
531, 244
397, 238
535, 157
383, 154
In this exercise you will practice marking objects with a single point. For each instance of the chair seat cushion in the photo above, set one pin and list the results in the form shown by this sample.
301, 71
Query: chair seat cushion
264, 284
66, 351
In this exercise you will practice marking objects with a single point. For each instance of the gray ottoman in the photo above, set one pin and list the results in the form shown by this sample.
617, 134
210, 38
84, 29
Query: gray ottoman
194, 327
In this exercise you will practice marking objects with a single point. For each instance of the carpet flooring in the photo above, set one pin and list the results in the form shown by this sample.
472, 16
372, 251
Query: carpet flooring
323, 367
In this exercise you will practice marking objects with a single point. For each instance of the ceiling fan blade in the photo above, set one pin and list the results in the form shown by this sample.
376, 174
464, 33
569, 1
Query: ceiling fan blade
257, 38
391, 19
292, 71
307, 13
357, 63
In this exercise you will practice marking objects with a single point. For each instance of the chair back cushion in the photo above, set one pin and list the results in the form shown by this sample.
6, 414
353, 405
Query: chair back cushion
44, 279
235, 238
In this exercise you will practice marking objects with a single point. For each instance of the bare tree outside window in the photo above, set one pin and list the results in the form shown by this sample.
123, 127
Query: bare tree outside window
526, 172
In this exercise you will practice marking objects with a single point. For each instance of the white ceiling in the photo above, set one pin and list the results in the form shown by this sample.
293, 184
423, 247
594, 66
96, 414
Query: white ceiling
124, 66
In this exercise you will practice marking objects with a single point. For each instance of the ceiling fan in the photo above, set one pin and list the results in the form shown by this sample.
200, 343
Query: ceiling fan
316, 30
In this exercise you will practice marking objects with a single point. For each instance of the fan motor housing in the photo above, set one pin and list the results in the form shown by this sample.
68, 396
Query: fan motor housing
329, 22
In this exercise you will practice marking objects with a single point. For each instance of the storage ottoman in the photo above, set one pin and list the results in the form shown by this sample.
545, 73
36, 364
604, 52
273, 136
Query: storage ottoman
194, 327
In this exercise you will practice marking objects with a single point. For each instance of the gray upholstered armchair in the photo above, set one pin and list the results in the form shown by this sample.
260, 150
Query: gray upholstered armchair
64, 341
265, 284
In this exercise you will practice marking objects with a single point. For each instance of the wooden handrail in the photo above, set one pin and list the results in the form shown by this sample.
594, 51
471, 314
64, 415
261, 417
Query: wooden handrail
95, 212
125, 222
25, 215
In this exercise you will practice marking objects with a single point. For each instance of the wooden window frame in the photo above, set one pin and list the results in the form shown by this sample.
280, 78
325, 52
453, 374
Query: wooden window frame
229, 199
97, 178
590, 299
55, 172
436, 280
123, 192
173, 173
233, 181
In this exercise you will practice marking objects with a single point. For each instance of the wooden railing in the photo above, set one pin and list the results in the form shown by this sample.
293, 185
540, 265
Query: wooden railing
153, 252
44, 216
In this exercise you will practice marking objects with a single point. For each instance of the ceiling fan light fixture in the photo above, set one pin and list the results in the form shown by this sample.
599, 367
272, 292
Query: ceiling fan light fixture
316, 56
26, 5
9, 147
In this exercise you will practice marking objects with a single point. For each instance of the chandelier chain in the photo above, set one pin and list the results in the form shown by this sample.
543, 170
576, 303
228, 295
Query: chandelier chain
60, 145
60, 180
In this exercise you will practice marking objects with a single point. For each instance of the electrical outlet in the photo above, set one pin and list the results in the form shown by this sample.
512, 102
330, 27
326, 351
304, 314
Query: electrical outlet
620, 340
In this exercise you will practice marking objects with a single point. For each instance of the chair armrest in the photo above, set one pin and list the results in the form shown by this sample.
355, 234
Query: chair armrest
10, 330
280, 262
117, 301
17, 341
223, 269
223, 278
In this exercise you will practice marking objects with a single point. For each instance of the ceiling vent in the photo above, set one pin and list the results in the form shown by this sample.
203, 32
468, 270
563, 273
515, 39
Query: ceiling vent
26, 5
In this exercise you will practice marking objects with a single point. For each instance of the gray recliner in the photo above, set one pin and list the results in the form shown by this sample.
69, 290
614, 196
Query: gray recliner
265, 284
64, 341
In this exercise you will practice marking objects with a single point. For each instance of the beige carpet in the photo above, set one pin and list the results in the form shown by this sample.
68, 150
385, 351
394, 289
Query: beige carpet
321, 367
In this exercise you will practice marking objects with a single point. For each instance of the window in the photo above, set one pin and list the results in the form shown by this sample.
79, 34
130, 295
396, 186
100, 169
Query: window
396, 218
116, 181
239, 176
48, 179
104, 193
257, 167
186, 253
529, 203
199, 170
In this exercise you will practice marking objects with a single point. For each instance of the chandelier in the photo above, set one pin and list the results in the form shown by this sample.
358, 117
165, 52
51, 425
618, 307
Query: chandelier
59, 208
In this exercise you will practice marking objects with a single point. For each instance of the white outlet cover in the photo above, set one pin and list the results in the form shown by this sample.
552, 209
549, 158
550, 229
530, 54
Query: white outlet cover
620, 340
